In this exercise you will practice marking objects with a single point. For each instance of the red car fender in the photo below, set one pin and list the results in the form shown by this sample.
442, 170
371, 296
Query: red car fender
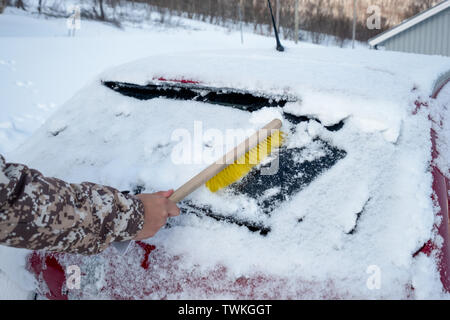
441, 186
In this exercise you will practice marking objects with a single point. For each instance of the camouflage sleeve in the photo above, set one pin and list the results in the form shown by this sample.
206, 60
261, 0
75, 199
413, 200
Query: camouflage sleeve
46, 213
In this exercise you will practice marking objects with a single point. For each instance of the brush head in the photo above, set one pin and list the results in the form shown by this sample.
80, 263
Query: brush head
243, 165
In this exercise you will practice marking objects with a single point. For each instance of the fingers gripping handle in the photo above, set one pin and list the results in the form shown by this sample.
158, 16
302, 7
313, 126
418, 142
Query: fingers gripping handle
225, 161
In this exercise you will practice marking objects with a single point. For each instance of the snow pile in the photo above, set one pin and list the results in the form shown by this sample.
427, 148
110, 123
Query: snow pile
377, 100
365, 216
15, 281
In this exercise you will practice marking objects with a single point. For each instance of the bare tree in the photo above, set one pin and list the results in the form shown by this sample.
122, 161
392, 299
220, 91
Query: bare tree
20, 5
278, 13
102, 11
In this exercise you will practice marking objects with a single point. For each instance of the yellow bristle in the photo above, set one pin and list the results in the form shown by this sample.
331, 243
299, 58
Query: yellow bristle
242, 166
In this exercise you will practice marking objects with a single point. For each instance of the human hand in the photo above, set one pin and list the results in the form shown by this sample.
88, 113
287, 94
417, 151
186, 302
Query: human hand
157, 208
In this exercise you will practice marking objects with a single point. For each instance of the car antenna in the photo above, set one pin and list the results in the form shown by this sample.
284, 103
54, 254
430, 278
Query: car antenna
279, 46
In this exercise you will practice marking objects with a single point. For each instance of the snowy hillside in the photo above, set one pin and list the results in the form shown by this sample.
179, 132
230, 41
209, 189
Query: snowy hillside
41, 67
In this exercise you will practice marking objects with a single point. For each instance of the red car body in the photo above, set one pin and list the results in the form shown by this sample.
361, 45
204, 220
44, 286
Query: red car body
51, 275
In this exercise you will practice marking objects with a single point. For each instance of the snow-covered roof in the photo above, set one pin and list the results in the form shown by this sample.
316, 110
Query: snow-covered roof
409, 23
371, 208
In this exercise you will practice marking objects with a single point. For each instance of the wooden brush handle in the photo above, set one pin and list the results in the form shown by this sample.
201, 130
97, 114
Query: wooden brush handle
225, 161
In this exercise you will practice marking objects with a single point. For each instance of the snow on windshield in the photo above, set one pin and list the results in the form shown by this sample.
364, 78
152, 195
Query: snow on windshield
367, 212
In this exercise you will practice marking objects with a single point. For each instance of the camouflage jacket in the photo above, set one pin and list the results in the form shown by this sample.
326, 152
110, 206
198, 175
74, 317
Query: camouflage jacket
46, 213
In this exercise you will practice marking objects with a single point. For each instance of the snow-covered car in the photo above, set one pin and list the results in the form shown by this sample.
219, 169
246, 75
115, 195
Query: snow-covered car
357, 208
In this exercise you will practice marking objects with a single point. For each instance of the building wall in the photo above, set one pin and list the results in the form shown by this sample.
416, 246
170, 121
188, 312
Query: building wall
431, 36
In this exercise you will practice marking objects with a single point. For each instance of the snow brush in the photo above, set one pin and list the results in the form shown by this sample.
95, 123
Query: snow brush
236, 163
